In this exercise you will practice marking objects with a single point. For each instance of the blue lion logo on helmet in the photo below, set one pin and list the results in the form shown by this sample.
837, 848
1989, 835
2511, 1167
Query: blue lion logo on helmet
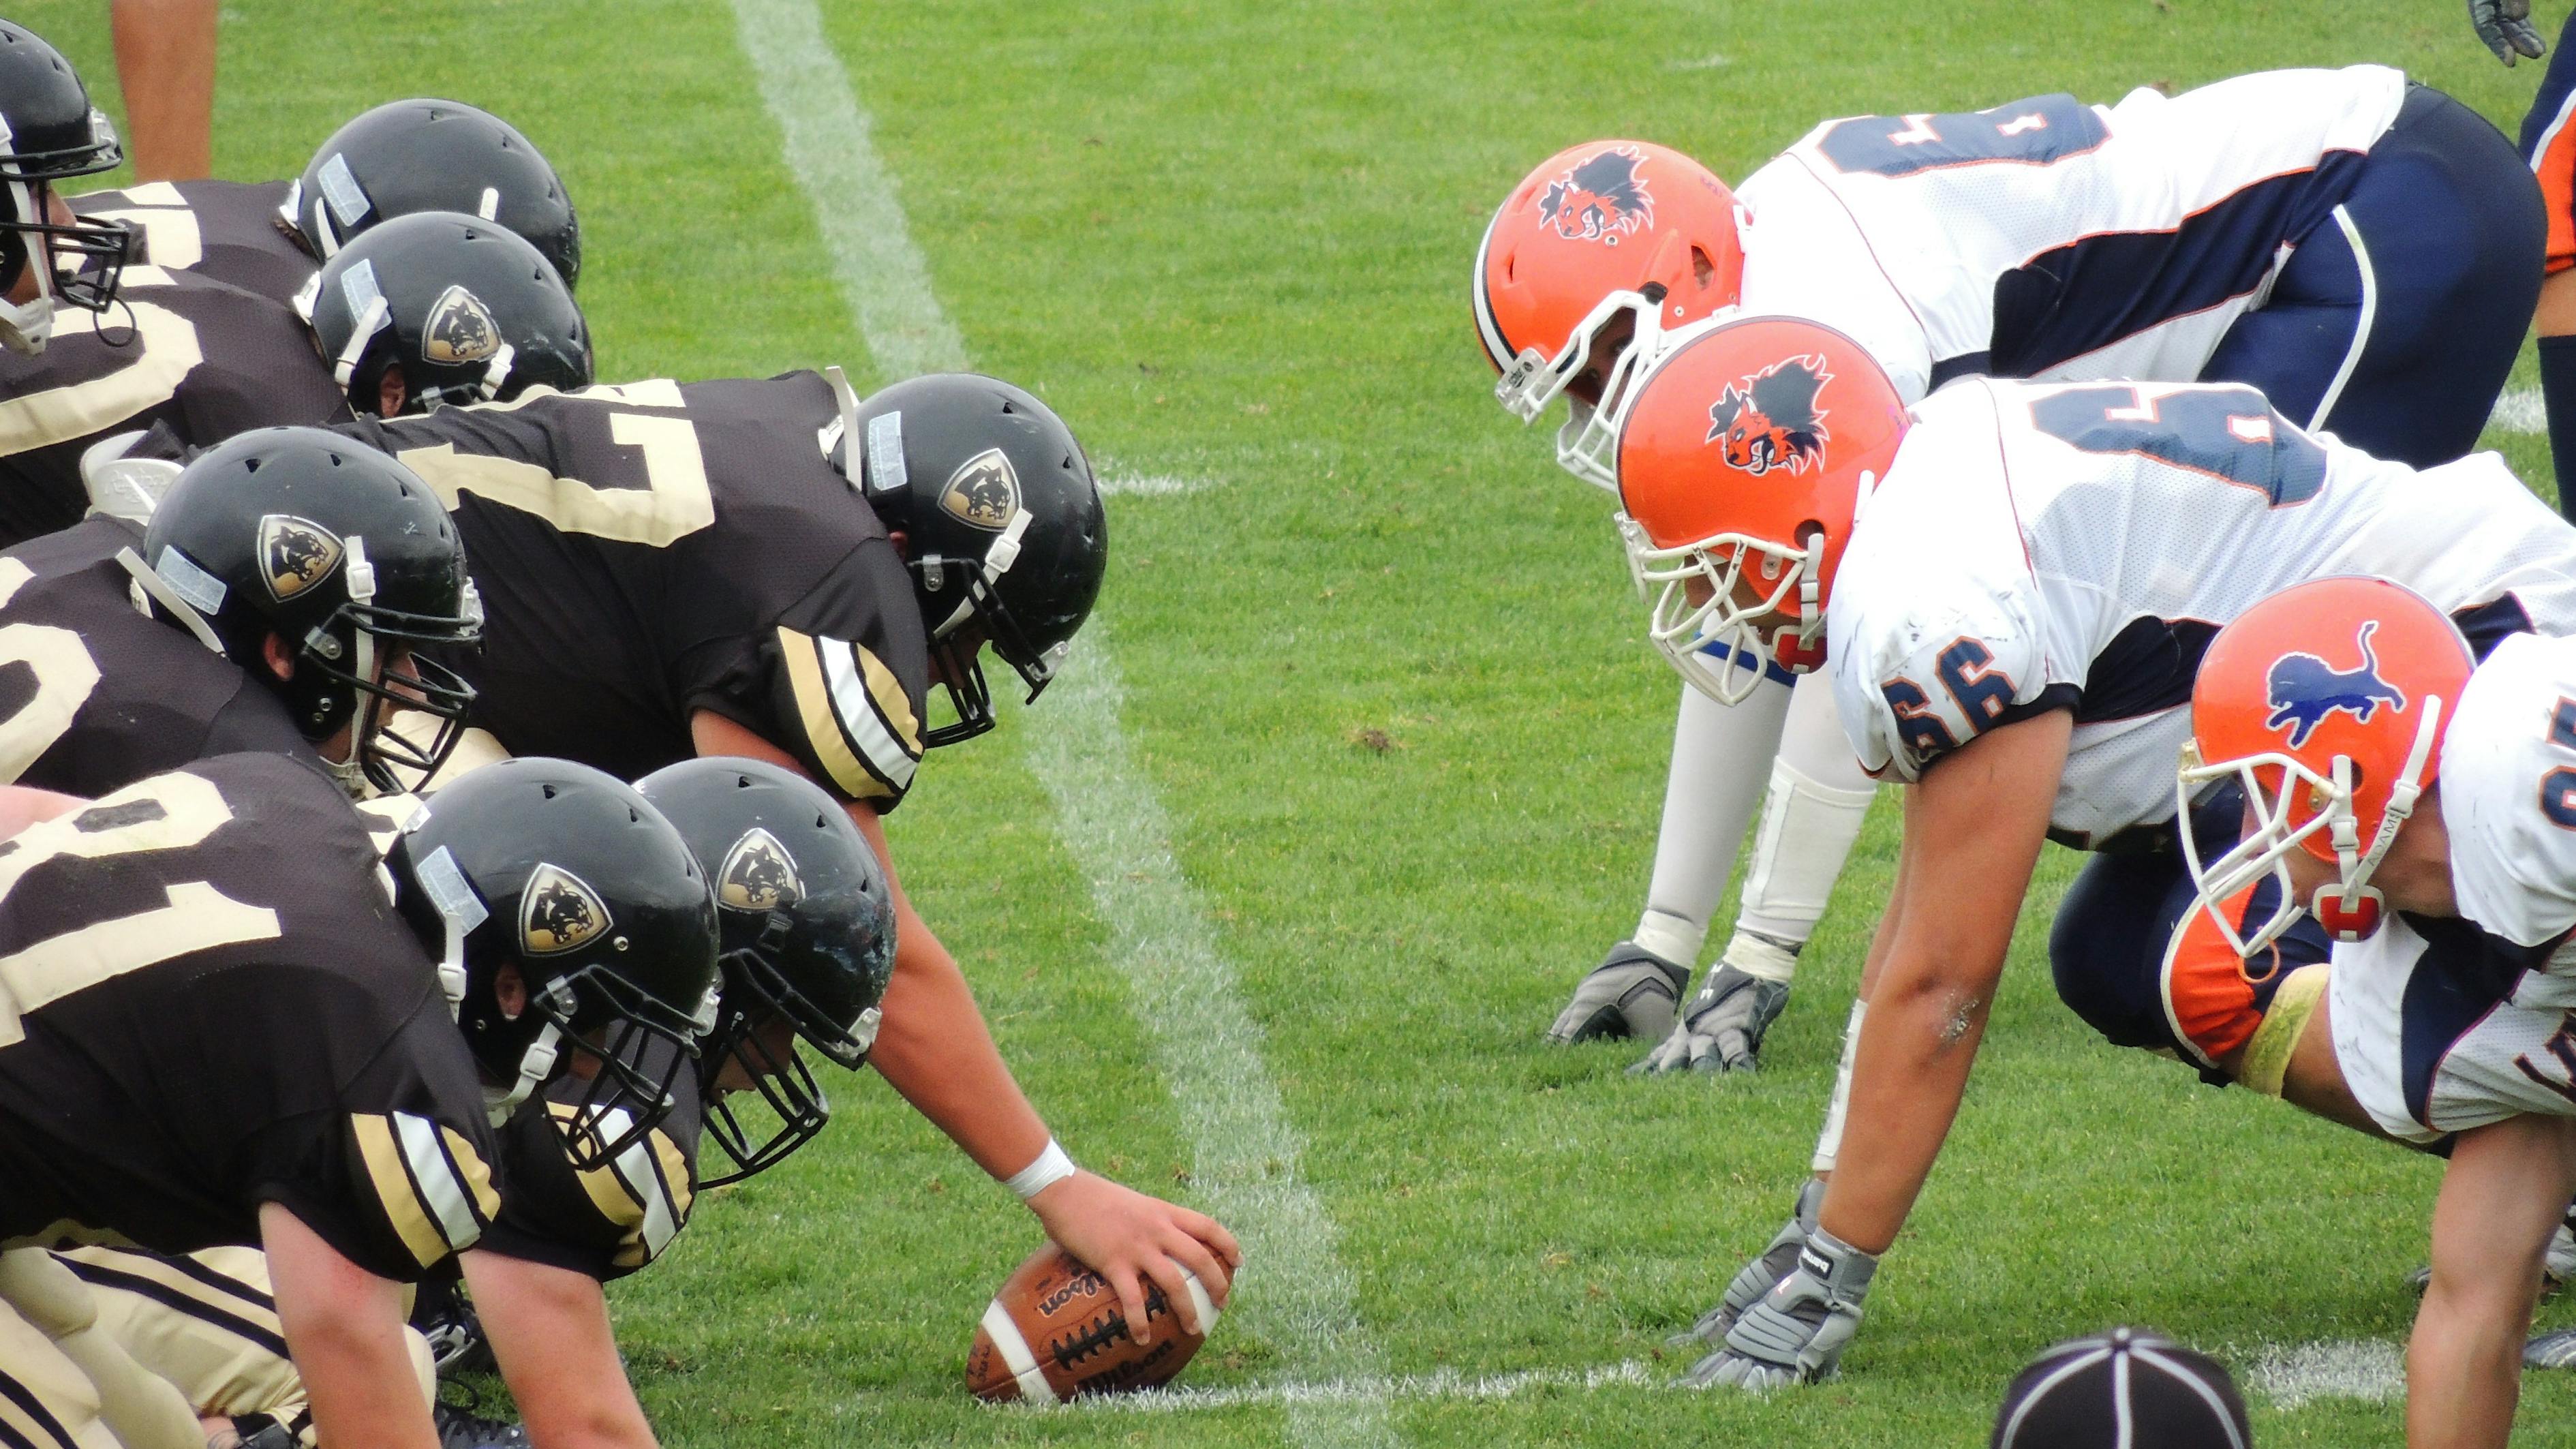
2304, 690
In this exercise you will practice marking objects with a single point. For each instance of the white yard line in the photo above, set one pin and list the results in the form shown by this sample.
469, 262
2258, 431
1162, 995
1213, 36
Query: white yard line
2520, 410
2294, 1374
1245, 1153
1443, 1384
1120, 484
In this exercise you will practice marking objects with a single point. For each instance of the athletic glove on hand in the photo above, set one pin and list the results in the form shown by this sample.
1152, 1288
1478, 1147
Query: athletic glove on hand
1633, 992
1721, 1030
1759, 1276
1797, 1332
2505, 25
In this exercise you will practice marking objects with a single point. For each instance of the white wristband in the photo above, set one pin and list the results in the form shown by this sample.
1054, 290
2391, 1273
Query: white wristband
1050, 1168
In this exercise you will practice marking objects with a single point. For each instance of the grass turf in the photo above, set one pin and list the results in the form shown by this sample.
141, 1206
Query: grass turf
1230, 242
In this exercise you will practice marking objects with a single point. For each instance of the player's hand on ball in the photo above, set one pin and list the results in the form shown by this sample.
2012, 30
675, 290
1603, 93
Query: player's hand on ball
2505, 25
1721, 1030
1128, 1237
1758, 1277
1632, 993
1796, 1333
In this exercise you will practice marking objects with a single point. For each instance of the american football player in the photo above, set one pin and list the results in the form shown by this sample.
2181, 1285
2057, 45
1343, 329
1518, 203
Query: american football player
774, 570
2319, 234
49, 132
2550, 146
266, 237
282, 588
431, 308
2421, 805
222, 1035
807, 928
2011, 586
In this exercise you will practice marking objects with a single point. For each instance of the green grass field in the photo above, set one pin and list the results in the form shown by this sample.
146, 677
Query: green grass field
1230, 243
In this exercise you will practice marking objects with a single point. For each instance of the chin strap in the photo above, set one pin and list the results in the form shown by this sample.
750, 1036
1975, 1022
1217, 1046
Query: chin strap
536, 1067
2350, 909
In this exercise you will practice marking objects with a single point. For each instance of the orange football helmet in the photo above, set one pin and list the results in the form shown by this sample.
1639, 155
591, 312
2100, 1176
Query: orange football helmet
2327, 702
1749, 445
1598, 232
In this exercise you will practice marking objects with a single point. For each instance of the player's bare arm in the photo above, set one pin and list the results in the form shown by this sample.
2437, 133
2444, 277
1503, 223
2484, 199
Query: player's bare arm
2502, 1196
935, 1049
346, 1328
1973, 828
549, 1331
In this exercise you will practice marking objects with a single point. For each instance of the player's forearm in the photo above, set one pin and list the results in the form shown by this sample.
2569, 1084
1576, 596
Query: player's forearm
1916, 1047
344, 1329
550, 1334
935, 1049
2503, 1193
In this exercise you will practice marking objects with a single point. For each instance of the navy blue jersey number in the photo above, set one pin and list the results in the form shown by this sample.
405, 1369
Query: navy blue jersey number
1967, 674
2037, 132
2558, 787
2228, 433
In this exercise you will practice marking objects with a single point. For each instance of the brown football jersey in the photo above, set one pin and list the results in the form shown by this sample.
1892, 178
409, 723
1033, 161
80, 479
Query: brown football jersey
234, 232
652, 549
211, 1004
206, 359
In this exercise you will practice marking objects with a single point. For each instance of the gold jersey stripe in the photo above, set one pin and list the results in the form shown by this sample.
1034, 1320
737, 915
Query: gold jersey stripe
476, 1173
402, 1203
821, 725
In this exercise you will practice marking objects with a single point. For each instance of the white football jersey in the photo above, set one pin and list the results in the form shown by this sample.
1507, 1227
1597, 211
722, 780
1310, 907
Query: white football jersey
2440, 1027
2051, 239
2508, 783
2038, 546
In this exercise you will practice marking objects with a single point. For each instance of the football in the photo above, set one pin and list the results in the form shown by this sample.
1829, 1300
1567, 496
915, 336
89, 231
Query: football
1055, 1331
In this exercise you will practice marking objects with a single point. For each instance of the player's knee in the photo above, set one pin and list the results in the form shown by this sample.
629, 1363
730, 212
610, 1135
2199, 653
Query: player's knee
2104, 972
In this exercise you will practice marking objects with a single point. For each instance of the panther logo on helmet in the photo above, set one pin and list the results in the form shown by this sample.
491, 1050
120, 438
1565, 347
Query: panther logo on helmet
1769, 419
559, 911
460, 329
295, 554
984, 492
1602, 199
758, 875
2304, 690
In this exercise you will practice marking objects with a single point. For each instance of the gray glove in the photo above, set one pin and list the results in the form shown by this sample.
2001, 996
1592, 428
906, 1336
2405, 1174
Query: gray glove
1759, 1276
2505, 25
1797, 1332
1631, 993
1721, 1030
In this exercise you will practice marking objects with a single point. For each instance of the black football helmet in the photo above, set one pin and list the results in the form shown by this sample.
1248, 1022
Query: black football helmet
1001, 521
469, 312
570, 877
808, 925
50, 131
340, 552
426, 155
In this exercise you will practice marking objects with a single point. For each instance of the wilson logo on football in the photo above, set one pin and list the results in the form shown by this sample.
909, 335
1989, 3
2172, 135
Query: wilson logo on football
2304, 690
460, 329
983, 491
1602, 199
758, 875
295, 554
558, 912
1769, 419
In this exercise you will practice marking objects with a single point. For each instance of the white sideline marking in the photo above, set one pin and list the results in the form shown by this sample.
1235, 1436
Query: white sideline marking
1706, 62
2293, 1374
2520, 410
1243, 1149
1441, 1384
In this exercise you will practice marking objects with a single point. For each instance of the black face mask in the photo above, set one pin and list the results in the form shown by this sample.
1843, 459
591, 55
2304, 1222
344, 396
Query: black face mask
788, 1093
641, 1052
